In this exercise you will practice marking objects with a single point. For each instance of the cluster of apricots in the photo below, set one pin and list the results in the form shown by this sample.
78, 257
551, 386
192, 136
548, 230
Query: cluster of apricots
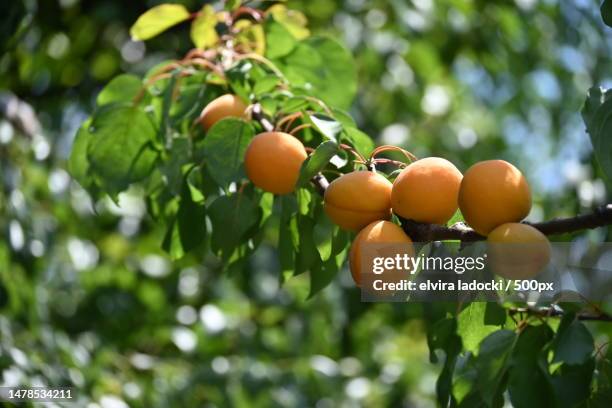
493, 197
273, 159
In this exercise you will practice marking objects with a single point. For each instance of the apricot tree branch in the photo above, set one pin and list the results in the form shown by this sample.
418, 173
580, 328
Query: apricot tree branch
257, 114
420, 232
556, 312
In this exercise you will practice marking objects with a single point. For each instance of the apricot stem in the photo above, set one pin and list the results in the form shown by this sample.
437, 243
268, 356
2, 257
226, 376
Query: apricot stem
264, 61
322, 104
164, 72
359, 156
301, 127
386, 148
206, 64
289, 119
257, 15
198, 53
389, 161
150, 81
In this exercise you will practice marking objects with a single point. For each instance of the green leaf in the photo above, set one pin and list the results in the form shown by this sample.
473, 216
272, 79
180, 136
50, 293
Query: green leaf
597, 115
606, 12
165, 130
250, 37
191, 219
294, 104
224, 147
265, 84
279, 41
78, 165
324, 68
323, 230
203, 33
179, 155
232, 4
304, 198
188, 105
572, 383
158, 19
495, 314
194, 181
528, 384
471, 326
232, 217
4, 296
328, 127
288, 235
238, 78
359, 140
188, 230
121, 150
335, 256
294, 21
596, 97
321, 275
573, 343
266, 203
600, 399
493, 362
308, 257
604, 371
442, 335
465, 385
122, 88
343, 117
14, 21
317, 161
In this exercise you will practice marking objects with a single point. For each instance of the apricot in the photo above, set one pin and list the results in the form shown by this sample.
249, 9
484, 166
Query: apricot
517, 251
492, 193
224, 106
273, 161
356, 199
378, 232
426, 191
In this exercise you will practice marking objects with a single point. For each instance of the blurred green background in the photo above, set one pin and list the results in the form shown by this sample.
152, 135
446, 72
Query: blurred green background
88, 298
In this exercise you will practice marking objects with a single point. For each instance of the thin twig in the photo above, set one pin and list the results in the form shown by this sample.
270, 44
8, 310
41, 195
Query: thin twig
386, 148
555, 312
288, 120
298, 128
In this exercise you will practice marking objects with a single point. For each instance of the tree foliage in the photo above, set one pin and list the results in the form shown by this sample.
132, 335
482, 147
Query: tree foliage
143, 140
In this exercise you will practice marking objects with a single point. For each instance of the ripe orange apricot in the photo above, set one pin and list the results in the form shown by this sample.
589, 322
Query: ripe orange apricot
224, 106
356, 199
427, 190
273, 161
492, 193
378, 232
517, 251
